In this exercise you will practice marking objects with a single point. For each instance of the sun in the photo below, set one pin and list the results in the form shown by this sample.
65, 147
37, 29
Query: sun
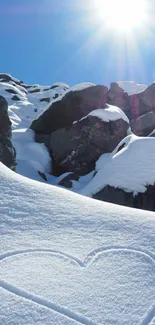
122, 15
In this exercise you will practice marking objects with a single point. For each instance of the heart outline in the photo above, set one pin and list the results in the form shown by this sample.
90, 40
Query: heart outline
93, 255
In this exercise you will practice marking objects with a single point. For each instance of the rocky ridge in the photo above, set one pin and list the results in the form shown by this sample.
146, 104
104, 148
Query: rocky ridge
61, 134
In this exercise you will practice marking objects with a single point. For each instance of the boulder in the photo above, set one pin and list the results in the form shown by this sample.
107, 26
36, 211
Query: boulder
5, 123
118, 97
16, 98
76, 149
144, 124
114, 195
71, 107
142, 102
137, 107
34, 91
11, 91
46, 99
66, 181
142, 108
5, 77
126, 176
7, 152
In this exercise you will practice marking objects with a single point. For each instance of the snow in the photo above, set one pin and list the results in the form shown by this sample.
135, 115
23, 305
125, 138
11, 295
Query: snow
31, 157
66, 259
82, 85
110, 113
63, 257
131, 87
60, 84
136, 158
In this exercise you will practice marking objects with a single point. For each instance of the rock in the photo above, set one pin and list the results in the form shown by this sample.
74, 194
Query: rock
54, 86
11, 91
7, 152
43, 176
73, 106
143, 201
55, 96
118, 97
126, 177
143, 102
115, 195
148, 96
144, 125
7, 77
115, 91
5, 123
34, 91
26, 86
142, 108
43, 138
16, 98
76, 149
47, 100
135, 106
67, 180
152, 134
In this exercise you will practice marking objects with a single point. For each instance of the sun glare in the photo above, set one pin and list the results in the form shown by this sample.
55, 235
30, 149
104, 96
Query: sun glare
122, 15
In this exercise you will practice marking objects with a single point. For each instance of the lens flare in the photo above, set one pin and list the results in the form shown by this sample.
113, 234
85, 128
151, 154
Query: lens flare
122, 15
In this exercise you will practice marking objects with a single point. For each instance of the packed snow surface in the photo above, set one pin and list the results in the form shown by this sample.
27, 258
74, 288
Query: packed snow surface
67, 259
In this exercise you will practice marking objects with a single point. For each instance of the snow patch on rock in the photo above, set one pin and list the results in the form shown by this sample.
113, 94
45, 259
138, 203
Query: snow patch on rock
130, 167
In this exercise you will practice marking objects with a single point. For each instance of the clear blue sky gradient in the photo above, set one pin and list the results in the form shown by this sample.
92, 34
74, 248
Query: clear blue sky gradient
44, 41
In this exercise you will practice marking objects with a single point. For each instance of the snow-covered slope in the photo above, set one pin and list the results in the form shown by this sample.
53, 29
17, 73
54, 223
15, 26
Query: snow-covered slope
67, 259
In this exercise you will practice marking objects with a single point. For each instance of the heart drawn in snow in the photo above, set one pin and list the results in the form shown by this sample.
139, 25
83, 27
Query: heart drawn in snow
114, 285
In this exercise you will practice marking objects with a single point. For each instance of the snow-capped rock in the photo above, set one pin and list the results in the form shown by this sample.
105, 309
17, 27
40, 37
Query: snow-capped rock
127, 175
76, 149
73, 131
71, 107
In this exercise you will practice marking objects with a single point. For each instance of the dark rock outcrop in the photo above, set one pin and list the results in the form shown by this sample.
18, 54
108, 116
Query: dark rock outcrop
144, 124
76, 149
5, 123
67, 180
4, 77
11, 91
47, 100
16, 98
142, 107
73, 106
118, 97
114, 195
34, 91
7, 152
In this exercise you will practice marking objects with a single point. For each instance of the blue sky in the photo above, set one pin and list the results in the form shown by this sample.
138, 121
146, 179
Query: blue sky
44, 41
